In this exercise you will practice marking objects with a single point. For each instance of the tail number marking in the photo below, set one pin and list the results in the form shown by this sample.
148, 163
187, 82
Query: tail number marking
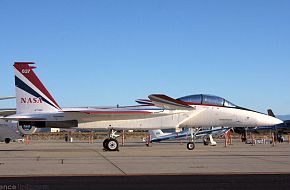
25, 71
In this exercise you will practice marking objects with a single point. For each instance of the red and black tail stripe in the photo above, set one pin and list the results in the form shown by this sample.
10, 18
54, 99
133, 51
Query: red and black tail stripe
20, 84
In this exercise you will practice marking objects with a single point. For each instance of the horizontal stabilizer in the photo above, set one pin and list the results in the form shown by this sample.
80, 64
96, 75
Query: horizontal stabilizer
167, 102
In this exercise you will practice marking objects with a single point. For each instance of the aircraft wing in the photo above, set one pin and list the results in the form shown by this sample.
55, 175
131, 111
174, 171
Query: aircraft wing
26, 117
167, 102
87, 115
108, 112
107, 115
7, 97
6, 112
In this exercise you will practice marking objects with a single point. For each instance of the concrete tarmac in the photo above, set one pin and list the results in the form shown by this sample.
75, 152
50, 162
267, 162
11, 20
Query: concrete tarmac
52, 158
60, 165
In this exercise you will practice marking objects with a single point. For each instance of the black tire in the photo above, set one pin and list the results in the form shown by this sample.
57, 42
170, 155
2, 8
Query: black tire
190, 145
112, 145
7, 140
105, 144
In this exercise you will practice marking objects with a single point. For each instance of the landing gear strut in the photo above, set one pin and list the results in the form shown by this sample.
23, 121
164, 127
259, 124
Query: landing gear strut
111, 144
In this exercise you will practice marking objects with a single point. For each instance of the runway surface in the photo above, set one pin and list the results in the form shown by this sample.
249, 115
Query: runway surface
166, 164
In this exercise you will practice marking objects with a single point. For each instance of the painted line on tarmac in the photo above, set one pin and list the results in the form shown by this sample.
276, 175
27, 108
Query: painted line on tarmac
105, 158
110, 162
16, 148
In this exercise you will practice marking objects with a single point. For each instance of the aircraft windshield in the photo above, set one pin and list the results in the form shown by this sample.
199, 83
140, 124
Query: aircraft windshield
207, 99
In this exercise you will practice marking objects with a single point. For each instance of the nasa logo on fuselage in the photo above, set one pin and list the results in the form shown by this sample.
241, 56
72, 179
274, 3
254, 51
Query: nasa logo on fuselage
26, 127
31, 100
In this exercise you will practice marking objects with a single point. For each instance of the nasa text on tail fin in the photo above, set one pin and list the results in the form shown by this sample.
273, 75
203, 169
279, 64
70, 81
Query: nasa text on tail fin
31, 94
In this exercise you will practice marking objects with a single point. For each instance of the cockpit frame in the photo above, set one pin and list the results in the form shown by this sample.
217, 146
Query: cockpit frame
206, 99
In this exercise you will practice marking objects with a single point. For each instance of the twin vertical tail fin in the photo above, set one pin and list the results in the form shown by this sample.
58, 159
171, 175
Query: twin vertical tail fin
31, 95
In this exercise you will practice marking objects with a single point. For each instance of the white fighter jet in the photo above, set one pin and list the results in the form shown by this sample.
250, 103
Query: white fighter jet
36, 108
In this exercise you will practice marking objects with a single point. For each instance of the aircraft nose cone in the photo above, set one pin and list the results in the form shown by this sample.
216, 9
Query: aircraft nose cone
269, 121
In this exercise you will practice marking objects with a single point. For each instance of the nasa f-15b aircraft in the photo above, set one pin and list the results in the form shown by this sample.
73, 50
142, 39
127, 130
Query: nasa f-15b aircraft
36, 108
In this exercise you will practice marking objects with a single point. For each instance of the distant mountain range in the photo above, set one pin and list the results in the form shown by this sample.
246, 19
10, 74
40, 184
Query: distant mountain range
284, 117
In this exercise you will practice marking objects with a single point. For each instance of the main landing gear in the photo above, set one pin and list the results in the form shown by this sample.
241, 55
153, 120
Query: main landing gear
110, 143
191, 143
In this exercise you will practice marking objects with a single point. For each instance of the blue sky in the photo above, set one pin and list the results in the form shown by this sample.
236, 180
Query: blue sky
113, 52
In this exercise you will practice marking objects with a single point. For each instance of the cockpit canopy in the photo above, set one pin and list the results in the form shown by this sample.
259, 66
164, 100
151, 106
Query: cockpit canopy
207, 99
